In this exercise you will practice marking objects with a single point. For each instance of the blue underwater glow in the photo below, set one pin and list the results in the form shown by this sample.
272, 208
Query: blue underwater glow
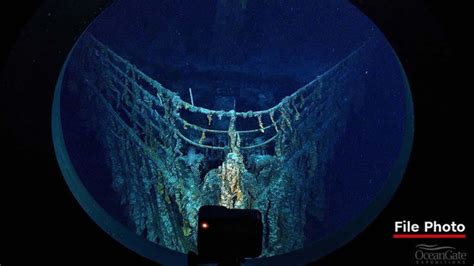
317, 157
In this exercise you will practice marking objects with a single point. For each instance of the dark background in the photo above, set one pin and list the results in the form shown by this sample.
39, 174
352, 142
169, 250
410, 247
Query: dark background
42, 223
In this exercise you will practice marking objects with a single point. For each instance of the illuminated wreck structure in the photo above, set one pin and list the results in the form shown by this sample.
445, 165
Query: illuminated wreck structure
168, 157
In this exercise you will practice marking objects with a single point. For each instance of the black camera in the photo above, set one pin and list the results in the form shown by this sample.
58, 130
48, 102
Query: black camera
229, 233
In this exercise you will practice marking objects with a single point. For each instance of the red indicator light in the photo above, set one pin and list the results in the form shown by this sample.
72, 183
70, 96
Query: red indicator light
204, 225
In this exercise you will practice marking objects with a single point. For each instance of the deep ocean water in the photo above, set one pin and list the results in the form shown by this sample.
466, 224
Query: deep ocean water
298, 109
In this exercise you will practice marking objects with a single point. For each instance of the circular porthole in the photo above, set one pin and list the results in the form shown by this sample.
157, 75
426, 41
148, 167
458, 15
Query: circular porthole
300, 110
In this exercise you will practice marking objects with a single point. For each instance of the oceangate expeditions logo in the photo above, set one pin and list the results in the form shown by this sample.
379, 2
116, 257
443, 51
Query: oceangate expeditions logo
439, 255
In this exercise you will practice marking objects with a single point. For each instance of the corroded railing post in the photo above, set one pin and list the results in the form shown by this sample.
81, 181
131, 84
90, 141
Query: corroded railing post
231, 170
234, 138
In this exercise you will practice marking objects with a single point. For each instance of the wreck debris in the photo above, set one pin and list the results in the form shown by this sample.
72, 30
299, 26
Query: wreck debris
160, 161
